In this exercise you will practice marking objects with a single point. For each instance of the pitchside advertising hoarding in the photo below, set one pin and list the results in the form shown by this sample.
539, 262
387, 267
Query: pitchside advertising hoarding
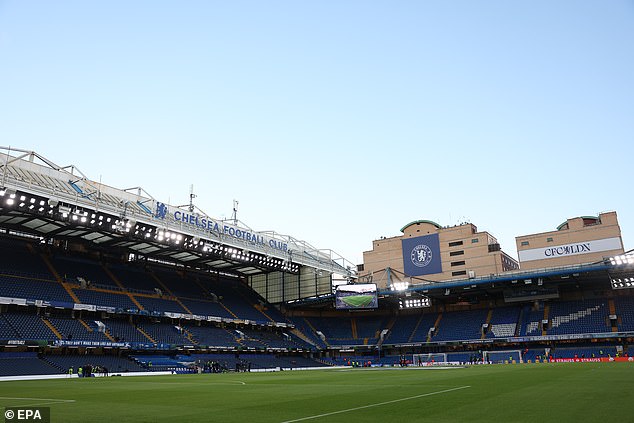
585, 247
421, 255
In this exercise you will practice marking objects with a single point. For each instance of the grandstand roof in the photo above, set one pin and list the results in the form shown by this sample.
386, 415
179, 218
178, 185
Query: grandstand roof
45, 200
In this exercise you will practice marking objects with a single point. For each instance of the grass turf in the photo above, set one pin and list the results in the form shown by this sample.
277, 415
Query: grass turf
588, 392
357, 300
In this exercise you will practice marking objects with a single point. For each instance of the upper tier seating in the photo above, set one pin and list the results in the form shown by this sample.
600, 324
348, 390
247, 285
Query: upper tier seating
503, 322
583, 316
461, 325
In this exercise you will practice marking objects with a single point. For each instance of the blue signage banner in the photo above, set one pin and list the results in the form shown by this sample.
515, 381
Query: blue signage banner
421, 255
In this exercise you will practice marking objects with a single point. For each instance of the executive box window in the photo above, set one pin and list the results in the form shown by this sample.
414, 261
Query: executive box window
459, 273
455, 243
475, 240
549, 239
456, 253
457, 263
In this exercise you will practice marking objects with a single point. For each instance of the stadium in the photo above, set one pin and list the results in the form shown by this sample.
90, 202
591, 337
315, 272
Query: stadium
118, 305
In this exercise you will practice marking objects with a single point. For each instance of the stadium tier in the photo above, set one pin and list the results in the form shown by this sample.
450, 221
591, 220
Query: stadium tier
120, 279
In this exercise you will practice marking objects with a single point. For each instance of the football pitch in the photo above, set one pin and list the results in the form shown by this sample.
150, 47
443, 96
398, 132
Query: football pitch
567, 392
357, 300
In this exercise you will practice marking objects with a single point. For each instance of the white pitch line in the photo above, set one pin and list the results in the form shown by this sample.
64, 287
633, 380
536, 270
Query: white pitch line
376, 404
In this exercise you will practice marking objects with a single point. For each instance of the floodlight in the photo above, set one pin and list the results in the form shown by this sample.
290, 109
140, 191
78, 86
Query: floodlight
400, 286
622, 281
623, 259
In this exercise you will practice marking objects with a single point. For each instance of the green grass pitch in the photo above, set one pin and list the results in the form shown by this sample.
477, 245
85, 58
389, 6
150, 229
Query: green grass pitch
358, 300
587, 392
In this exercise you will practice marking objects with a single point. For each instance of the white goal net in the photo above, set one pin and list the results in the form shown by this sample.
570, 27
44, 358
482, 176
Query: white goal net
429, 359
507, 356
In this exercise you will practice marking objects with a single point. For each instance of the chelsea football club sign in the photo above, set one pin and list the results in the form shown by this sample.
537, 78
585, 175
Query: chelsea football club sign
421, 255
218, 227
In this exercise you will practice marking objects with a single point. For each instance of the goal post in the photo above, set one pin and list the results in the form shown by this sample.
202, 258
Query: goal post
429, 359
499, 357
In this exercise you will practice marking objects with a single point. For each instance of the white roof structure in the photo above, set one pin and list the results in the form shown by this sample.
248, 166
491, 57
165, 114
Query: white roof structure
41, 198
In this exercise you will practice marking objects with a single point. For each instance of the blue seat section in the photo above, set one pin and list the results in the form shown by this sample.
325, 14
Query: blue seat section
237, 297
370, 328
123, 331
72, 329
28, 326
34, 289
461, 325
337, 330
164, 333
160, 304
7, 331
531, 323
212, 336
135, 279
275, 314
402, 329
504, 322
121, 301
582, 316
206, 308
18, 260
302, 325
426, 322
585, 352
71, 268
113, 364
410, 328
274, 339
25, 364
179, 285
625, 313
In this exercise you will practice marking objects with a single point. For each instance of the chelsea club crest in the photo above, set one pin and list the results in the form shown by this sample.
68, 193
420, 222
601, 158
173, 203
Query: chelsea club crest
421, 255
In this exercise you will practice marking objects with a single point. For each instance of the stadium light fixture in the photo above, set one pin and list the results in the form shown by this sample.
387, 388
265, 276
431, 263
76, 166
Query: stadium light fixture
623, 282
421, 302
400, 286
622, 260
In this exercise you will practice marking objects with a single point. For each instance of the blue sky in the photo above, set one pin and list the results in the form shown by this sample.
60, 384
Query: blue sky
337, 122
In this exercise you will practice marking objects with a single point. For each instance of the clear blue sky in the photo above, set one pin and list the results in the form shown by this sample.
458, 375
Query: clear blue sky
336, 122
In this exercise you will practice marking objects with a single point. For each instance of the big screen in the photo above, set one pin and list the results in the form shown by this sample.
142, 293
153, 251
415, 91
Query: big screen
356, 296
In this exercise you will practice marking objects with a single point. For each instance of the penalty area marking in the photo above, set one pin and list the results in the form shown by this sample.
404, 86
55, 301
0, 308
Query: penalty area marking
377, 404
47, 401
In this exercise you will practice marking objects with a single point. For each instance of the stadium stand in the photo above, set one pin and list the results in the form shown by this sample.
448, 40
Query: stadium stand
24, 363
461, 325
112, 364
133, 300
625, 313
587, 316
504, 322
